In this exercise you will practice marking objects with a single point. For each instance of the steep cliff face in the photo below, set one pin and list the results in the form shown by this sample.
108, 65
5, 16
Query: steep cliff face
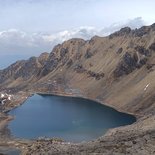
117, 70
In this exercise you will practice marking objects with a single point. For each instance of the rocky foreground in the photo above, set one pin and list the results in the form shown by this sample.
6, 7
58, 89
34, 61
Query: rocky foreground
117, 70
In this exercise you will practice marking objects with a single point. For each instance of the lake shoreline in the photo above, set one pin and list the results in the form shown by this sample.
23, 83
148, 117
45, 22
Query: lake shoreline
91, 99
5, 122
23, 146
9, 118
75, 127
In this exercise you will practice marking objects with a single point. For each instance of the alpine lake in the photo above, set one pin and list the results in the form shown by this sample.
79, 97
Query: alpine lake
69, 118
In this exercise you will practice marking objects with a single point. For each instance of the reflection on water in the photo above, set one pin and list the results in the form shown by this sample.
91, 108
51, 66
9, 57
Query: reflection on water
73, 119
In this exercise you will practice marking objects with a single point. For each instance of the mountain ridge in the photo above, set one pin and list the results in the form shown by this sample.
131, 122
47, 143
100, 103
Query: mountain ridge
101, 58
116, 70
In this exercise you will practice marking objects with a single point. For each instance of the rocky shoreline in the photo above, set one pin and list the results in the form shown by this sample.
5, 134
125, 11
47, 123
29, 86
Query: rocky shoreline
5, 121
120, 140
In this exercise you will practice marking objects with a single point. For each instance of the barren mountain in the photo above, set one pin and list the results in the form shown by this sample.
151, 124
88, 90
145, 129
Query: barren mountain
117, 70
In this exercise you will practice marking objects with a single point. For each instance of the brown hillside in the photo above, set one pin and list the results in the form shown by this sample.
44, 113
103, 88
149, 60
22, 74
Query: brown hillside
117, 70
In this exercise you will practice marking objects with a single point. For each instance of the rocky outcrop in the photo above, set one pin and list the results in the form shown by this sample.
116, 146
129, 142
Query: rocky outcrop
126, 66
152, 46
143, 51
88, 54
120, 50
29, 69
80, 69
50, 64
132, 61
142, 31
97, 76
122, 32
10, 71
25, 69
136, 33
43, 58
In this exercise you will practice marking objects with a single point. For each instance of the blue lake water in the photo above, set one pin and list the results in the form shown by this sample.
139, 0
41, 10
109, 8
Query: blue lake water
72, 119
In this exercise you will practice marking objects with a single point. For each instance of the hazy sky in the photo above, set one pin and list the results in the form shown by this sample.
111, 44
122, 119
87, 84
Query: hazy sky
57, 15
29, 27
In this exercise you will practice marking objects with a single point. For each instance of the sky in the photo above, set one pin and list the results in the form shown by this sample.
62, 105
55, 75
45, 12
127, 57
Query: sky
30, 27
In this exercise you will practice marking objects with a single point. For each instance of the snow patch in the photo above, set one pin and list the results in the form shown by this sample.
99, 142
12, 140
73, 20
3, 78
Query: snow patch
146, 86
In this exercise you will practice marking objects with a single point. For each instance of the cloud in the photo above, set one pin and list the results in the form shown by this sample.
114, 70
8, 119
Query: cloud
132, 23
14, 41
16, 44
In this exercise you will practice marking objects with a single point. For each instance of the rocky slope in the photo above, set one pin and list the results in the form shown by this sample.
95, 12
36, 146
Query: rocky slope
117, 70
